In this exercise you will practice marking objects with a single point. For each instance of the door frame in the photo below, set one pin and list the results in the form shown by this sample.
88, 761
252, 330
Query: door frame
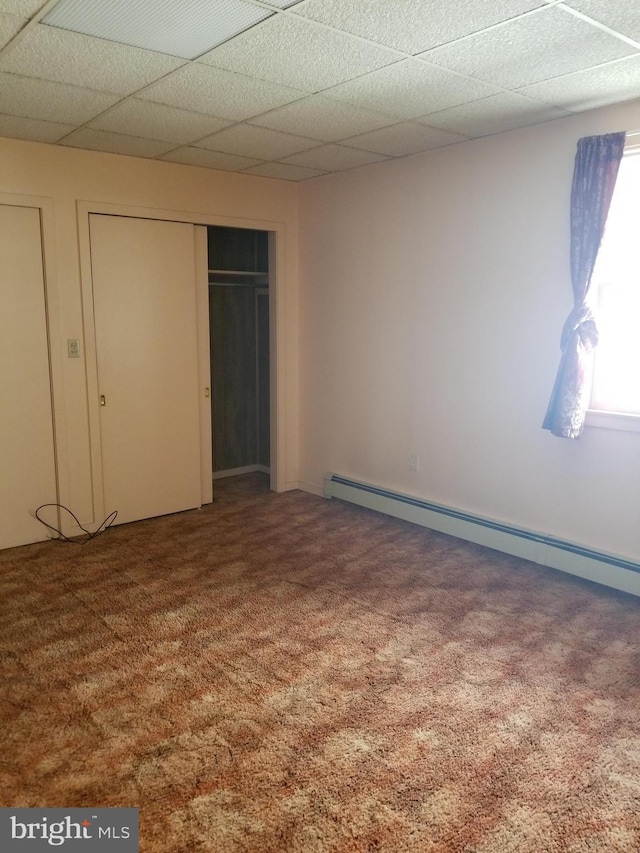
55, 344
277, 326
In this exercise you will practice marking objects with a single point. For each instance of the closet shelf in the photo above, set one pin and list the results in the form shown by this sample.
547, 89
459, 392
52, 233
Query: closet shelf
239, 272
239, 277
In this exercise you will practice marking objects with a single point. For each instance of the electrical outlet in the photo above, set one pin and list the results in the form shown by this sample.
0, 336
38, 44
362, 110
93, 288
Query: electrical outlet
73, 348
414, 461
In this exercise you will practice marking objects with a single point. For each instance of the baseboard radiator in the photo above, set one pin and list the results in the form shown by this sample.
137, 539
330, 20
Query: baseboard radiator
597, 566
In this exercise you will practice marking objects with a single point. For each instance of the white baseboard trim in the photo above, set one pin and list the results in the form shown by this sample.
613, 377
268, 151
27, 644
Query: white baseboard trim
246, 469
606, 569
311, 488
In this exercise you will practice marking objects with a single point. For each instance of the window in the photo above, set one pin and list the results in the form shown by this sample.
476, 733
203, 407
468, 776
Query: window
616, 297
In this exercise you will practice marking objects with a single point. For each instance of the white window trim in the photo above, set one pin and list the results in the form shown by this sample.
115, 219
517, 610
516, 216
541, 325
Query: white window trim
612, 420
600, 418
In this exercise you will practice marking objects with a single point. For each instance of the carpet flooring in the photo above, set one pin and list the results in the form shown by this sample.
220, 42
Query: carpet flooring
286, 673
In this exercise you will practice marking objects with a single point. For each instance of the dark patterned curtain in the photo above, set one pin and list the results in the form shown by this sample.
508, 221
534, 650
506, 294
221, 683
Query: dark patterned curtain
594, 178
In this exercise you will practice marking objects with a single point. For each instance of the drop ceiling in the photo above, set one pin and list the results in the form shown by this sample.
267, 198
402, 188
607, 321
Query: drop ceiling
294, 90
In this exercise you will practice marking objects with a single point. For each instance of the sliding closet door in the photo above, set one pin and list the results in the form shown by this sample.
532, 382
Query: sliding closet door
27, 466
144, 292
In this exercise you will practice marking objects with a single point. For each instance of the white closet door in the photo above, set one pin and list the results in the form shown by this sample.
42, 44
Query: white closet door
27, 462
144, 293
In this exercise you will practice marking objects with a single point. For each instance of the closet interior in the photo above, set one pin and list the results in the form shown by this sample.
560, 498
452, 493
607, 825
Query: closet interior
238, 270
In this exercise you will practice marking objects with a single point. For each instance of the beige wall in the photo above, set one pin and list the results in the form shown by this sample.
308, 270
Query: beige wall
433, 293
67, 177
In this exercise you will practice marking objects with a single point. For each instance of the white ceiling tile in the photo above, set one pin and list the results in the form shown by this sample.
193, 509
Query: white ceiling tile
185, 29
9, 26
284, 172
586, 90
492, 115
209, 159
414, 25
622, 15
402, 139
41, 99
135, 117
116, 143
214, 91
543, 45
376, 105
22, 8
18, 127
256, 142
410, 88
324, 119
297, 53
333, 158
65, 57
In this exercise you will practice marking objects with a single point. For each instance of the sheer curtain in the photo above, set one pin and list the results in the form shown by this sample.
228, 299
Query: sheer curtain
594, 178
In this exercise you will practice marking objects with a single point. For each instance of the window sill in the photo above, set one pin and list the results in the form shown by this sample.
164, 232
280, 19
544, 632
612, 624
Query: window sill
612, 420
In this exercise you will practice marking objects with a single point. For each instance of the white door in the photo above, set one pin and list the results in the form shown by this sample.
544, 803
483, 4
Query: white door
27, 461
144, 290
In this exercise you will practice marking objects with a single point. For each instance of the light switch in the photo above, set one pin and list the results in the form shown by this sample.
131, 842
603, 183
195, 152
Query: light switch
73, 348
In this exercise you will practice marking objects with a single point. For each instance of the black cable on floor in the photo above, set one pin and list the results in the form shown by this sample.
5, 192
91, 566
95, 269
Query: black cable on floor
106, 524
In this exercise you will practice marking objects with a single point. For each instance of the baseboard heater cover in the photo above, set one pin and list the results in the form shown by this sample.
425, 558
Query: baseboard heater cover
607, 569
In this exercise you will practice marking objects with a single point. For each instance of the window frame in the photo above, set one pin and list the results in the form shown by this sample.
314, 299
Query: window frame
602, 418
